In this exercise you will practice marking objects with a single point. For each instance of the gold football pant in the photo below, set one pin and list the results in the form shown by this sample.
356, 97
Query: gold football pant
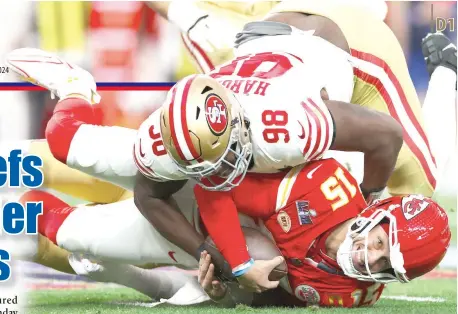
382, 83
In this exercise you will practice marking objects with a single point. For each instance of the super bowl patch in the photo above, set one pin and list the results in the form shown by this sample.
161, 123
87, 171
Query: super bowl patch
304, 213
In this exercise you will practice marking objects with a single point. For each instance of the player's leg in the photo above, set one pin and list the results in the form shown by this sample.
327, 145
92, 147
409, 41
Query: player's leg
383, 83
116, 232
61, 178
439, 106
76, 138
50, 255
74, 133
155, 283
151, 282
232, 14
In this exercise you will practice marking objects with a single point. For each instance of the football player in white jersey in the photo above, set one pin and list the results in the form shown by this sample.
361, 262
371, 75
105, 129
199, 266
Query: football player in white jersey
275, 139
262, 111
266, 110
292, 59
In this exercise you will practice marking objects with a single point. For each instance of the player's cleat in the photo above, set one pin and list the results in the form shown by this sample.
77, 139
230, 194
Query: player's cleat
47, 70
438, 50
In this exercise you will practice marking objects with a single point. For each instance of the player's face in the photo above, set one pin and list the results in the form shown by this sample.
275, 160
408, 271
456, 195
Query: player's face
225, 169
378, 252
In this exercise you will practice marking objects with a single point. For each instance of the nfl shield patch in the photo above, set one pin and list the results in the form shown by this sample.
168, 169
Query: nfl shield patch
304, 213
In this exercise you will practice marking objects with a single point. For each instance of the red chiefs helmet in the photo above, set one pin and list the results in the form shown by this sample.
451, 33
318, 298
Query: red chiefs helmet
419, 236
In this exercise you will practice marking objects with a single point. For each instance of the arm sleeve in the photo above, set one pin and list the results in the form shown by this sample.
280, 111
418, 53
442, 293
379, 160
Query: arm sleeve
220, 217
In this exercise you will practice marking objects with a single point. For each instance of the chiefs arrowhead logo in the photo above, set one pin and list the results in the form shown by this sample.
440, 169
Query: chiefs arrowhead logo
216, 114
413, 205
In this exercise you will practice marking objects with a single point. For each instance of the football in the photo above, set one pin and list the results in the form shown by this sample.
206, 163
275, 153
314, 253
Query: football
260, 247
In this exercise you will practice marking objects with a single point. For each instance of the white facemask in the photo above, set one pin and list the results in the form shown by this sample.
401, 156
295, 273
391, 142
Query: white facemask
360, 229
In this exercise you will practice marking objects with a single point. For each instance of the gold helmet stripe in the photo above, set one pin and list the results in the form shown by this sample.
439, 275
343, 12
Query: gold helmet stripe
178, 123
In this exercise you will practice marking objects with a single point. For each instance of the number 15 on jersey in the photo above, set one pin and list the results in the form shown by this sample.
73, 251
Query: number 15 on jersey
338, 189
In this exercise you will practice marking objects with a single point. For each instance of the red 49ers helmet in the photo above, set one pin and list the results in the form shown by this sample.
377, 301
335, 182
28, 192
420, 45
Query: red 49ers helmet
419, 236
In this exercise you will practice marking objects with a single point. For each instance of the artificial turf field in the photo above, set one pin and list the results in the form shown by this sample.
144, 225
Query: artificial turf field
430, 295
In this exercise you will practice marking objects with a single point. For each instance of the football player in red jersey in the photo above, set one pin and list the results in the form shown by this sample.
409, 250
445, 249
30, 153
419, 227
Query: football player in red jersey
339, 252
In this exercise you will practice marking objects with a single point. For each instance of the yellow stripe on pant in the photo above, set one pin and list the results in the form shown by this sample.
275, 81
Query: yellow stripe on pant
382, 83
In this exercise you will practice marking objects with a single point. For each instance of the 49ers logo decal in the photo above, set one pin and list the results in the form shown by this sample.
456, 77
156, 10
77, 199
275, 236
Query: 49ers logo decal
216, 114
413, 205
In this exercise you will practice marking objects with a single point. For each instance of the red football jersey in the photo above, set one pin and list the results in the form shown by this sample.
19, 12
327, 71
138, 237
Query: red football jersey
299, 209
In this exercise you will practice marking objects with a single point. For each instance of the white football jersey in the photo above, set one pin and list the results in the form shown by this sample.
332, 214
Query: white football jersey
279, 90
326, 66
150, 155
280, 94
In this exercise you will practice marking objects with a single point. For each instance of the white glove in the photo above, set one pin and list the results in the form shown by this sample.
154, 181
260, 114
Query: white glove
208, 32
47, 70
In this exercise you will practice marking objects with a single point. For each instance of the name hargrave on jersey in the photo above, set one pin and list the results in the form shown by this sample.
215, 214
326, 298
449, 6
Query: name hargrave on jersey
280, 96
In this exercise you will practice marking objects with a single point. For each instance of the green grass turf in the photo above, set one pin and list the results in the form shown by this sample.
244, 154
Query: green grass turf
107, 300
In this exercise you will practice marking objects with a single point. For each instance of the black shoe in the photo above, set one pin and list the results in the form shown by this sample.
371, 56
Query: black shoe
438, 50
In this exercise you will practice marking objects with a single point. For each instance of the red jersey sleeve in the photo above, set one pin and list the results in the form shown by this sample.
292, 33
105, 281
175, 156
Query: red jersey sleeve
220, 217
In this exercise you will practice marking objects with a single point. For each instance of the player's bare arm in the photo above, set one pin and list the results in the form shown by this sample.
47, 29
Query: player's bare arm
155, 202
375, 134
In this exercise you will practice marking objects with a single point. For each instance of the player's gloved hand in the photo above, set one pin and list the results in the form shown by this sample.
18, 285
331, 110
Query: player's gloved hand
438, 50
215, 289
204, 30
49, 71
256, 277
